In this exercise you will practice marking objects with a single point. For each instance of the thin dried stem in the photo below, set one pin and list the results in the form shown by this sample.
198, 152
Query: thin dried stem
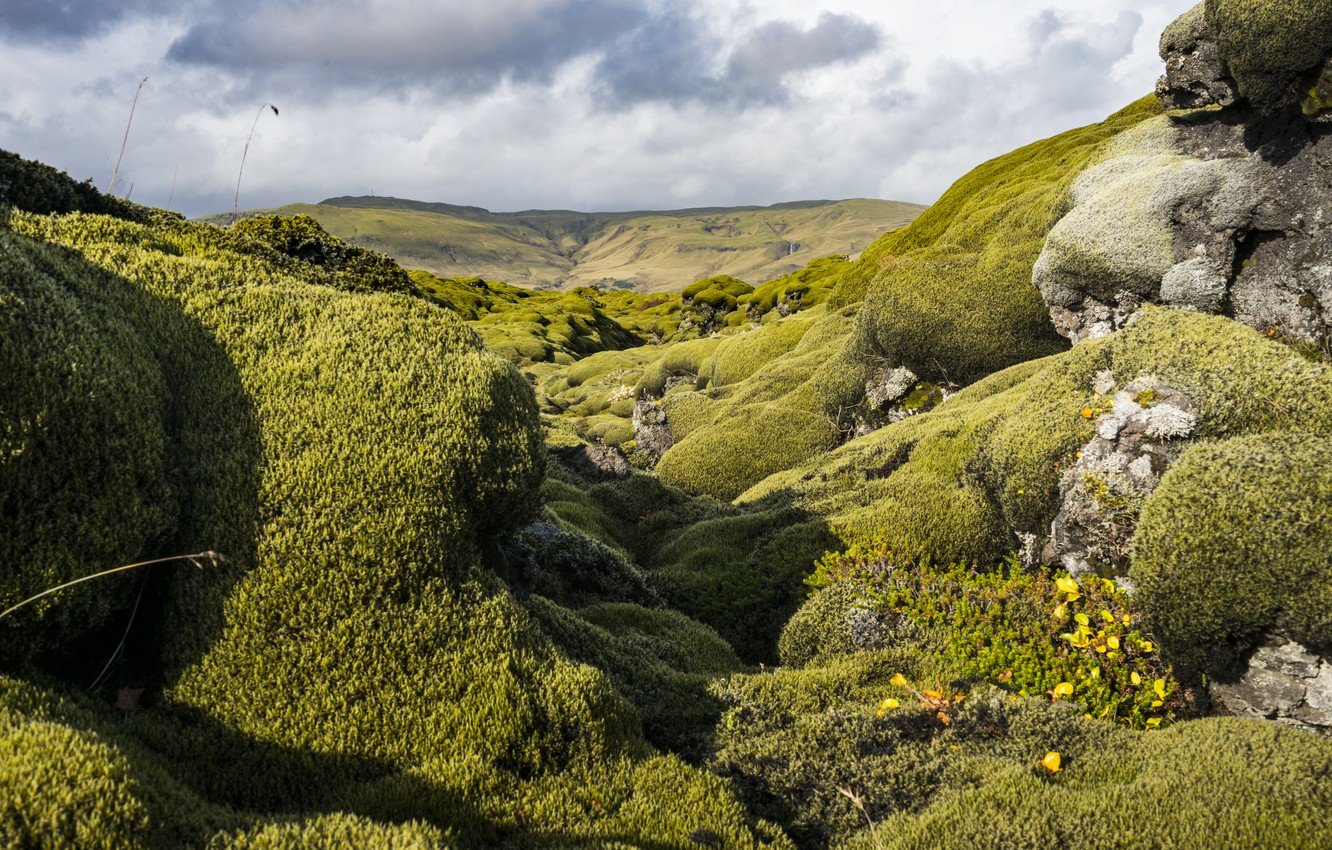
235, 203
198, 559
115, 172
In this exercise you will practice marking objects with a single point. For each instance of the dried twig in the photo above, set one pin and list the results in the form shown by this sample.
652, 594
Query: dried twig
198, 559
115, 172
235, 203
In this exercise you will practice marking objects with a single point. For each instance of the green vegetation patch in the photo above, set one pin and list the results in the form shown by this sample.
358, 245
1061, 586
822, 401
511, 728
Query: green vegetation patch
1237, 540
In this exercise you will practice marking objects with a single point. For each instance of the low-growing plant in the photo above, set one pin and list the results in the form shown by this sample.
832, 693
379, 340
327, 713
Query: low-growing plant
1029, 633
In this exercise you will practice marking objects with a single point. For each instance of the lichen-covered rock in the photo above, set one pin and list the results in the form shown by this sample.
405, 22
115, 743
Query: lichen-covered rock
1194, 75
652, 429
598, 462
1190, 215
1103, 492
1282, 681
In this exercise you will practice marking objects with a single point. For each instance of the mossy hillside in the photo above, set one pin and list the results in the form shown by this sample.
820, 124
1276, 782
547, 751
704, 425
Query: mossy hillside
957, 483
300, 237
950, 296
711, 302
528, 326
809, 287
1269, 46
1238, 540
342, 657
780, 395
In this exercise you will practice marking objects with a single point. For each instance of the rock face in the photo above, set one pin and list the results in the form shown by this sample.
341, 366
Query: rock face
597, 462
1100, 496
1284, 682
1224, 207
652, 431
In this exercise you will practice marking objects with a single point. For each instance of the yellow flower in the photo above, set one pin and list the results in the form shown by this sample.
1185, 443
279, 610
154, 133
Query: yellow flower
898, 680
1146, 646
1051, 761
1066, 585
1135, 679
1063, 689
1127, 620
1087, 413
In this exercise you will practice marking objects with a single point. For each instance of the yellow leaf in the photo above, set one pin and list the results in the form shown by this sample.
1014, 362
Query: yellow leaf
1146, 646
1135, 679
1160, 687
1109, 585
1074, 597
1107, 616
1127, 619
1066, 585
1156, 703
1083, 619
1153, 723
889, 704
1112, 642
1051, 762
1063, 689
1060, 612
899, 680
932, 694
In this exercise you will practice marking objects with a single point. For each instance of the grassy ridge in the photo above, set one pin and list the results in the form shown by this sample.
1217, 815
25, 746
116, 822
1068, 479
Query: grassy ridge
653, 251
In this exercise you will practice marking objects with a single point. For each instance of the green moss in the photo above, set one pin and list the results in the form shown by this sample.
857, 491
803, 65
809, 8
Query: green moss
958, 482
38, 188
800, 290
352, 454
1236, 540
301, 238
1268, 46
950, 296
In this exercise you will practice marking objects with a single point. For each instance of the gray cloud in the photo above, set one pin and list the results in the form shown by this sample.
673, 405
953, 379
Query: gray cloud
71, 20
675, 57
451, 48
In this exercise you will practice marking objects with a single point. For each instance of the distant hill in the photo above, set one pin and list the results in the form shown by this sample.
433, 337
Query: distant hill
649, 251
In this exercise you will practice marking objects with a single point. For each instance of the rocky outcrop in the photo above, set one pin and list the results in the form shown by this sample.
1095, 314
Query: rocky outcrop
652, 430
1282, 681
1221, 207
598, 462
1140, 431
891, 395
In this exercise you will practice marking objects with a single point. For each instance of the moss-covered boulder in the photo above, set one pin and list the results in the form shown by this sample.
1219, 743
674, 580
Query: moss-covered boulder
1270, 47
1237, 541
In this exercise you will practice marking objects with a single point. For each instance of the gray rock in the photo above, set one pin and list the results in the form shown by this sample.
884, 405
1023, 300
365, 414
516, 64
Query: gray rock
1282, 681
652, 430
889, 385
1194, 76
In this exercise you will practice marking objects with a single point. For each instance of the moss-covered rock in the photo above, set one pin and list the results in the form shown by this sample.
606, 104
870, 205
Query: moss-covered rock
950, 296
1269, 46
1238, 541
355, 629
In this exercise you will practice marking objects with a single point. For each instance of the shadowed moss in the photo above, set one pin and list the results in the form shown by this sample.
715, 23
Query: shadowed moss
355, 616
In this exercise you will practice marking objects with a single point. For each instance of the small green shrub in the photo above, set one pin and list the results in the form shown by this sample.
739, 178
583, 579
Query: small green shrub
1028, 633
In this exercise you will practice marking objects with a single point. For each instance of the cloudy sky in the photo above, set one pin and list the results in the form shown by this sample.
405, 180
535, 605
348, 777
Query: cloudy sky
583, 104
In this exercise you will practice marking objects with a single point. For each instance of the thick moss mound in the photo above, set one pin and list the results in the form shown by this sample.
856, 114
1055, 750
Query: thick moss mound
960, 482
950, 296
39, 188
1270, 46
354, 630
1237, 540
300, 237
